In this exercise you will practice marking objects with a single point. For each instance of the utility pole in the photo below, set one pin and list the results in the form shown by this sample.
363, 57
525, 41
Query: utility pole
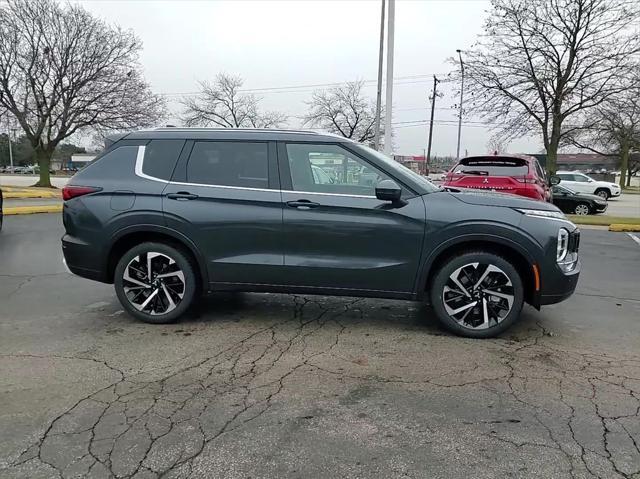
388, 147
376, 141
433, 107
461, 98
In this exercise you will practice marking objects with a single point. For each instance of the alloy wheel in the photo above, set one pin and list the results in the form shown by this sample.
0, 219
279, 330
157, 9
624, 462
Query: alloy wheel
478, 295
582, 210
153, 283
603, 194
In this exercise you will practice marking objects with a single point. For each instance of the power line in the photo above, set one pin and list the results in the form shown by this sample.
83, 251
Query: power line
404, 80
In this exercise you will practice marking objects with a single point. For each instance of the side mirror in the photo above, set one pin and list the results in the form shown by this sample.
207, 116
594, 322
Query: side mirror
388, 190
554, 180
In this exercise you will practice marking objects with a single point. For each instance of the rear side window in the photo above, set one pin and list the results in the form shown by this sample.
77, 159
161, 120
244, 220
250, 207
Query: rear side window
160, 157
229, 163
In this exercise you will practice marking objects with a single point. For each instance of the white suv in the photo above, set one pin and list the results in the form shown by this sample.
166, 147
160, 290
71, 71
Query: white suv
576, 181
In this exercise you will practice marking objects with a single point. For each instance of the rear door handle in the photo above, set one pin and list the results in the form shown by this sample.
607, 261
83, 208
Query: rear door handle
182, 196
302, 204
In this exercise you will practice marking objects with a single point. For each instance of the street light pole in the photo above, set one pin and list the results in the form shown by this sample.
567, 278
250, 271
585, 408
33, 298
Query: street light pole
388, 147
461, 98
376, 141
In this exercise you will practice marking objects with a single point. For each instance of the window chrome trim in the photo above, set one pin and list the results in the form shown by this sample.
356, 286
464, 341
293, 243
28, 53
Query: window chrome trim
139, 172
328, 194
140, 164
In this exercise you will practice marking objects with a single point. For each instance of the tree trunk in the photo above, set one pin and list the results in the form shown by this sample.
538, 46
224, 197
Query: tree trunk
552, 158
624, 163
43, 155
552, 149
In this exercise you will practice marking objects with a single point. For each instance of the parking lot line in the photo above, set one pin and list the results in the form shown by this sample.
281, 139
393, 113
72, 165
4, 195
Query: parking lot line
634, 238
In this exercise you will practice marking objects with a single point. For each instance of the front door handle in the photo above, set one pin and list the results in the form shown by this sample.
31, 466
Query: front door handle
302, 204
182, 196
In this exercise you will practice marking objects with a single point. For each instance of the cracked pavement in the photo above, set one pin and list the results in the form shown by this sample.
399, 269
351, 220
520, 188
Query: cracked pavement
270, 386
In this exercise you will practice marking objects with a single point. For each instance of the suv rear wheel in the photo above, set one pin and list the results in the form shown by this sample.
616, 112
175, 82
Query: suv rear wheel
477, 294
155, 282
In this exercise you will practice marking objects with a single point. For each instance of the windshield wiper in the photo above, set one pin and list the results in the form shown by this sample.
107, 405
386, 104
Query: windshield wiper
476, 172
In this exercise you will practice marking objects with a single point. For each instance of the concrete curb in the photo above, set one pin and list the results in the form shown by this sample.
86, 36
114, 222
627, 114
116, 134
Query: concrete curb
29, 210
14, 195
624, 228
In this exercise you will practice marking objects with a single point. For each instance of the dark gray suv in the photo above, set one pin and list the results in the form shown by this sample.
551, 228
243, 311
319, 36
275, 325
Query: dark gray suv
170, 213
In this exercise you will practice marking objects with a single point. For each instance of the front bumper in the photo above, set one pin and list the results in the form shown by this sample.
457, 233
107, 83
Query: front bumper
558, 286
615, 193
600, 208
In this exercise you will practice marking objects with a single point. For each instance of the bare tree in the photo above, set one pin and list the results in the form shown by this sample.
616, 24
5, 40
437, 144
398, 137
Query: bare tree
223, 104
63, 71
543, 63
497, 145
612, 129
343, 110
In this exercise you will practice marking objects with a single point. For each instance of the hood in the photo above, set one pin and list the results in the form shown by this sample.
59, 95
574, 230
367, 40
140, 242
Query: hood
486, 198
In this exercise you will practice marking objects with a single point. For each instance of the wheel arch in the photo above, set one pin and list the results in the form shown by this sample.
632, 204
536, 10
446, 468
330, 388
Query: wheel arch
507, 248
127, 238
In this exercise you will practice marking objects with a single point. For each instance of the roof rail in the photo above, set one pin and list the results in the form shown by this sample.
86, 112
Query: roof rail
248, 130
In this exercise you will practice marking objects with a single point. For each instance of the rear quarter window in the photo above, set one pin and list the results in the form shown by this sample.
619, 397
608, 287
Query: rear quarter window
113, 165
160, 158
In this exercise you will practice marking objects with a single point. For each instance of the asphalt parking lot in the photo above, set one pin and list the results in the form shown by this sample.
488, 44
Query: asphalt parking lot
270, 386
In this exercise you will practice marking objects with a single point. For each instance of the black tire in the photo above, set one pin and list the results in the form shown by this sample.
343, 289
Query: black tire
184, 264
603, 193
579, 209
441, 279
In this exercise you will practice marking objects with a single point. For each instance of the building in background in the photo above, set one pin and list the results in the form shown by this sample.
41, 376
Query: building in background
587, 162
79, 160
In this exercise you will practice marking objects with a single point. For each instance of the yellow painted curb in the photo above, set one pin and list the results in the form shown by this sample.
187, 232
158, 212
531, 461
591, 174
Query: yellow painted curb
624, 228
29, 210
30, 194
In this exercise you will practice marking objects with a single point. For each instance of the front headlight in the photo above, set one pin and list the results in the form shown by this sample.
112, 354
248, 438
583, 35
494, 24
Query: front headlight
566, 260
563, 244
543, 214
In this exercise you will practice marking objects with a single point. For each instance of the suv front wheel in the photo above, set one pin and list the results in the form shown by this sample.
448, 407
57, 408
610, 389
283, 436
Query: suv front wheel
477, 294
155, 282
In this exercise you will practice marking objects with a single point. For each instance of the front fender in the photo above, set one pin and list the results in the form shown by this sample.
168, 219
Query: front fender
453, 236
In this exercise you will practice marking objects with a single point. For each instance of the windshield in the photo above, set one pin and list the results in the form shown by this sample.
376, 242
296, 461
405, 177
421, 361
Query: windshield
401, 169
562, 189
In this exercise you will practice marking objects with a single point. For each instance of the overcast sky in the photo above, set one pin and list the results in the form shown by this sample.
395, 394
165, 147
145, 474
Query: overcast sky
274, 44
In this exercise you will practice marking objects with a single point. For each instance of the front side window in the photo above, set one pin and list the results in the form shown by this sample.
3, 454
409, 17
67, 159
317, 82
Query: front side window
581, 178
331, 169
229, 163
